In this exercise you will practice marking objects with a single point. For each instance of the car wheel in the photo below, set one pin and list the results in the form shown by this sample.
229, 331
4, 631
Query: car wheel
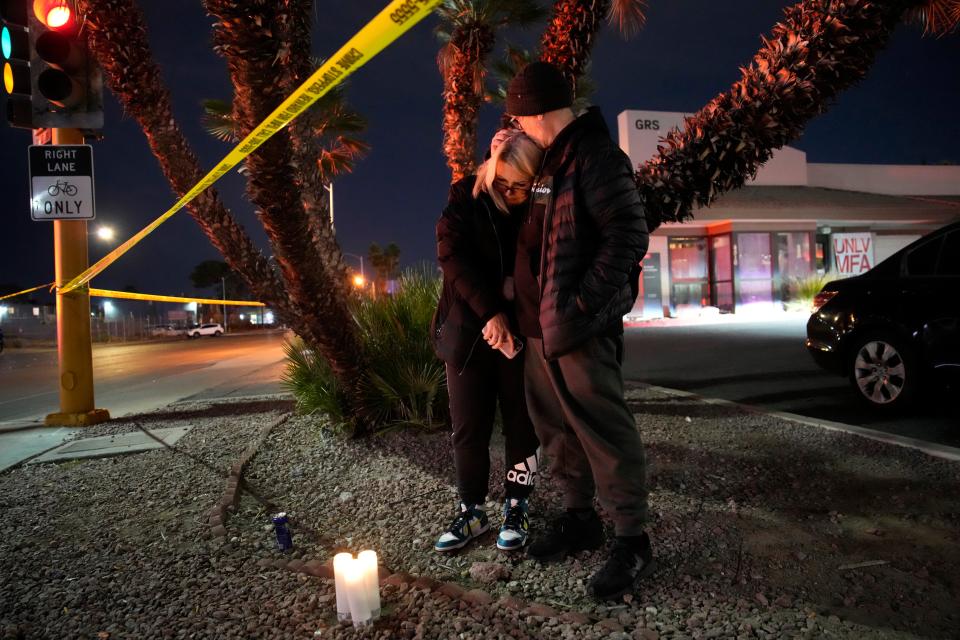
217, 334
883, 371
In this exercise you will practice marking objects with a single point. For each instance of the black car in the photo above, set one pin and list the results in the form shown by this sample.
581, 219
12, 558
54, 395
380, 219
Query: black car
896, 327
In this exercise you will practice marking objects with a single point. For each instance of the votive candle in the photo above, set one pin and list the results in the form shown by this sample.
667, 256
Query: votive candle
371, 575
340, 562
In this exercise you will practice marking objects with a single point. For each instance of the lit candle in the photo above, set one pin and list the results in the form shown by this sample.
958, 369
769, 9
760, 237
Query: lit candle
371, 575
357, 593
340, 562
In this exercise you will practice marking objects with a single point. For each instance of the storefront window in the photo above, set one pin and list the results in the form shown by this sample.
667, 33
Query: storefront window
688, 258
754, 269
689, 288
721, 272
793, 261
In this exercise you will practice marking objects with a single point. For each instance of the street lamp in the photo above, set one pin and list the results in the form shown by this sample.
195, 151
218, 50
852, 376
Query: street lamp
354, 255
329, 188
358, 281
106, 234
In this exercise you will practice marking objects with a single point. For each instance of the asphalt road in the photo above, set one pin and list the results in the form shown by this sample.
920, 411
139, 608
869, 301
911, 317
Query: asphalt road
765, 364
133, 378
758, 363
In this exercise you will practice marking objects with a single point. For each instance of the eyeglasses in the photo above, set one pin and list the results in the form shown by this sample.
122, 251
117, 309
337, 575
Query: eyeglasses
505, 187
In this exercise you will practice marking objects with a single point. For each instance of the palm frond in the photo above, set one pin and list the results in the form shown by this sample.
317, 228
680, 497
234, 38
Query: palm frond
629, 16
219, 121
340, 156
503, 70
938, 17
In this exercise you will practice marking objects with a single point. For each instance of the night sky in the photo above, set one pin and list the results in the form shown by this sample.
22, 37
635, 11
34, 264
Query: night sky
904, 112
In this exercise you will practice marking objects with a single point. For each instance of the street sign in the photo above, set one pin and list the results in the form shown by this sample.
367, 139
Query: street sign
61, 182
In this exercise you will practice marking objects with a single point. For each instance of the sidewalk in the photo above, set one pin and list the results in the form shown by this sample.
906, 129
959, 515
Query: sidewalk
763, 529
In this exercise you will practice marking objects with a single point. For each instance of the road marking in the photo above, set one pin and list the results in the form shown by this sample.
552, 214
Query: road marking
35, 395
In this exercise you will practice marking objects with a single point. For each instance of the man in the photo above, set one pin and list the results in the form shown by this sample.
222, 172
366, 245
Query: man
576, 275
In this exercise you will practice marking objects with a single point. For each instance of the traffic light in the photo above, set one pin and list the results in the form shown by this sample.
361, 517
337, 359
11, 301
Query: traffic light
65, 88
15, 45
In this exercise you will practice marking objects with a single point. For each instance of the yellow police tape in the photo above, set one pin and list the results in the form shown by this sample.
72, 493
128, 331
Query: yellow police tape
20, 293
105, 293
387, 26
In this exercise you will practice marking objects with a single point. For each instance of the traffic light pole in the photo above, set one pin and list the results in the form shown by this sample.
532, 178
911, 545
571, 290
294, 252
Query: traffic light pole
74, 351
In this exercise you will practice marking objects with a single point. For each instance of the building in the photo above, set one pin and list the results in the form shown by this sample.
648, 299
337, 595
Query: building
796, 219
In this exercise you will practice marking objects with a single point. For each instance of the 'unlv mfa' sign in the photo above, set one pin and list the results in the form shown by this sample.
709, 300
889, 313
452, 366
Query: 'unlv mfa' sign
852, 253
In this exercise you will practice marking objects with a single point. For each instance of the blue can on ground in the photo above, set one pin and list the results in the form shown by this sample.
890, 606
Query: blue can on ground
282, 530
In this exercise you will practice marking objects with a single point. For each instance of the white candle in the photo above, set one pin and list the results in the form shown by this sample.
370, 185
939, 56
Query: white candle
340, 562
371, 575
357, 594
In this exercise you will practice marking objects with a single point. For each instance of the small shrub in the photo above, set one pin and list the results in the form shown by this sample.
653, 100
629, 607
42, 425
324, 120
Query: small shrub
805, 289
404, 383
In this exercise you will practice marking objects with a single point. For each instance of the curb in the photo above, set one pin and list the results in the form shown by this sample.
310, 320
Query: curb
21, 425
941, 451
218, 514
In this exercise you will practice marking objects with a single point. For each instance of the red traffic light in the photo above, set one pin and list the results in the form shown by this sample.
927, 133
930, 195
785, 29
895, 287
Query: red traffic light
55, 14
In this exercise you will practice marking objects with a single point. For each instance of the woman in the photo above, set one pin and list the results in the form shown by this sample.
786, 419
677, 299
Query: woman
476, 241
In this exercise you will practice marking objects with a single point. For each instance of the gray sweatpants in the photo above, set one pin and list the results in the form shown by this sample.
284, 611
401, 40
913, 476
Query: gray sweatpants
587, 431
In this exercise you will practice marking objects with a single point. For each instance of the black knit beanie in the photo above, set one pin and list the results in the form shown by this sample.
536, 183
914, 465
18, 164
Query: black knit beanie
538, 88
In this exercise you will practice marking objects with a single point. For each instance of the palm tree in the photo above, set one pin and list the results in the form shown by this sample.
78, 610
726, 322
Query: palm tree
468, 33
266, 46
303, 289
568, 39
326, 136
817, 51
116, 35
385, 262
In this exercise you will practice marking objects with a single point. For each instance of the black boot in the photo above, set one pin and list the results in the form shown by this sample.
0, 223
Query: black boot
631, 559
573, 531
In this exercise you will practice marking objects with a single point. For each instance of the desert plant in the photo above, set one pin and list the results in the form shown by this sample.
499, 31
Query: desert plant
404, 383
804, 289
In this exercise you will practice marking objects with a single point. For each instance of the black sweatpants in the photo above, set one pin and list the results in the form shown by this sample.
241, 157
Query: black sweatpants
489, 377
588, 432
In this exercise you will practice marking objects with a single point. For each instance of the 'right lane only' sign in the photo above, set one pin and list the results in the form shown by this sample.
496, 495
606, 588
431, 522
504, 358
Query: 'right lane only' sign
61, 182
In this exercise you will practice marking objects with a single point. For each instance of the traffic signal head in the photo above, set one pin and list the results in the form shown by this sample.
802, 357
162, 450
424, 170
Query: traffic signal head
65, 86
15, 47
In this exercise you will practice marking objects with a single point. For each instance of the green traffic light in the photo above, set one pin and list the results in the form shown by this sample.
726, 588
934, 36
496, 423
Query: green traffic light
6, 43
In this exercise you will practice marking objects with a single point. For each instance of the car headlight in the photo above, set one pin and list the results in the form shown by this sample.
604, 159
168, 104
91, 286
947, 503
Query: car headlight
821, 299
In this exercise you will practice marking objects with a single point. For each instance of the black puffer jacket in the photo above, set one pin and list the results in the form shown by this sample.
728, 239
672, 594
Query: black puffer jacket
475, 249
594, 235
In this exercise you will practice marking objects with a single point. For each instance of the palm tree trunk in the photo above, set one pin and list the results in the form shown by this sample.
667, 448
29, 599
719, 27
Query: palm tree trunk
251, 38
821, 48
462, 63
116, 35
306, 150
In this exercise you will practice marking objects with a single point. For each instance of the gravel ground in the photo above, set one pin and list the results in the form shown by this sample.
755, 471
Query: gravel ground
755, 521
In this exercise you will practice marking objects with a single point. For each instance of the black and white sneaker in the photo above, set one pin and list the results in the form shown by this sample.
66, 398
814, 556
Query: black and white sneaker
631, 560
470, 522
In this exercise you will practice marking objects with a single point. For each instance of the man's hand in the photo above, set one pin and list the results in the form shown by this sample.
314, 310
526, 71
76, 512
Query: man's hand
497, 331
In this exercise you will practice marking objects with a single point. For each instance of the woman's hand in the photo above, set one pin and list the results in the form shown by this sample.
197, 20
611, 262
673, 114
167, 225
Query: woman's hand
497, 331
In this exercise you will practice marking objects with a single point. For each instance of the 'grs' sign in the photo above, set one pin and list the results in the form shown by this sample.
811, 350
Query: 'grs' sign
647, 125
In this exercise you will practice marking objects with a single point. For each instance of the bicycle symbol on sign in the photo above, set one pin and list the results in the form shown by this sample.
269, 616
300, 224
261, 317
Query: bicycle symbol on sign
65, 188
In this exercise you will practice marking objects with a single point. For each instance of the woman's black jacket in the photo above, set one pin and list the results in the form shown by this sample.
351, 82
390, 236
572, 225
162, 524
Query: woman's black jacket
476, 245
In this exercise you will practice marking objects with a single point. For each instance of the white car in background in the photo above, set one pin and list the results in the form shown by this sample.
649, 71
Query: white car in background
211, 329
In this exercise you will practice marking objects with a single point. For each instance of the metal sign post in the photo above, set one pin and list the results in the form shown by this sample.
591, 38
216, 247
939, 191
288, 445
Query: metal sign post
61, 177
